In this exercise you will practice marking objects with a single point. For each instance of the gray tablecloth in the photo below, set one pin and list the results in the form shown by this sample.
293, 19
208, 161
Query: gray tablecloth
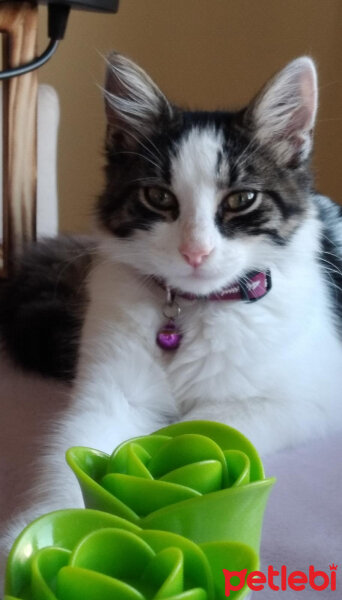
303, 522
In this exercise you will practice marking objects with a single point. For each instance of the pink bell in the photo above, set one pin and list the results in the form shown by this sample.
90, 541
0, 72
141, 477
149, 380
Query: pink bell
168, 337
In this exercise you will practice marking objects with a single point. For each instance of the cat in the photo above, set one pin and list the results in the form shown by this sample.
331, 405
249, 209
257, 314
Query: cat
211, 239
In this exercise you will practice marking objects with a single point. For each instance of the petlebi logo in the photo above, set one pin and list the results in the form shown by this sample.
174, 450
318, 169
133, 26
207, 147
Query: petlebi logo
281, 579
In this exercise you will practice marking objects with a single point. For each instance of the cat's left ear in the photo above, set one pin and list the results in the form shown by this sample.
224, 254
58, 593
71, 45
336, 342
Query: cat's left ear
134, 104
282, 116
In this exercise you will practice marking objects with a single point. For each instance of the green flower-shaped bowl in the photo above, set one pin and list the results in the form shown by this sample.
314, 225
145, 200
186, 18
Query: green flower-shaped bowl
89, 555
199, 479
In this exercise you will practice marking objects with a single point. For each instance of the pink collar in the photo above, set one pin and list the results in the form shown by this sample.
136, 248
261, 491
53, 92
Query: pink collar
254, 286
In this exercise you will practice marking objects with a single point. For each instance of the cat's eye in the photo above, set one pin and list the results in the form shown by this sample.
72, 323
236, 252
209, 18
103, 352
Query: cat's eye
240, 200
159, 198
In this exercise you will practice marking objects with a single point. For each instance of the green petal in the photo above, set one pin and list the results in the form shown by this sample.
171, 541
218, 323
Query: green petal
226, 437
184, 450
238, 466
204, 476
196, 568
194, 594
91, 462
231, 556
89, 467
64, 529
113, 552
233, 514
80, 584
45, 566
144, 447
166, 573
144, 496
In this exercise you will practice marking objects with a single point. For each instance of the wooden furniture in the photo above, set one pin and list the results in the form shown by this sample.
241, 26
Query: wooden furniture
18, 25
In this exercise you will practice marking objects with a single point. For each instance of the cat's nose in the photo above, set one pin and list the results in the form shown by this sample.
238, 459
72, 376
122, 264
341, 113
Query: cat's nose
195, 257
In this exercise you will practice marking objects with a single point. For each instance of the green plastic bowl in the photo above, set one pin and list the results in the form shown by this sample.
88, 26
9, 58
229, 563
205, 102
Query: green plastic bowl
199, 479
180, 506
85, 554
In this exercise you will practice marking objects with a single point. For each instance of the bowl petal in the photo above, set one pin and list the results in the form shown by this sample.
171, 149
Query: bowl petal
144, 496
119, 461
204, 476
80, 584
226, 437
196, 568
62, 529
231, 556
165, 573
238, 466
45, 566
112, 552
184, 450
89, 467
236, 514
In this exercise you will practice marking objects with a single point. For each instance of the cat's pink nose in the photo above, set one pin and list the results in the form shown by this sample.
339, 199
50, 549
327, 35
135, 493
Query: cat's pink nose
195, 257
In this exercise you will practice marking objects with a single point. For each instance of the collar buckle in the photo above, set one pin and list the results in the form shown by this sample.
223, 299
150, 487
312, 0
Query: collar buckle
255, 286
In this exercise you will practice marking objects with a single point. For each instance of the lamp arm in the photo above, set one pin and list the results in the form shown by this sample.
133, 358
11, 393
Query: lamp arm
58, 13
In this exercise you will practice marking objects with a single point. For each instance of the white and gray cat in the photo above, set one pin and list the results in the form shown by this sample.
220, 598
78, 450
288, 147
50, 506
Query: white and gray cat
210, 235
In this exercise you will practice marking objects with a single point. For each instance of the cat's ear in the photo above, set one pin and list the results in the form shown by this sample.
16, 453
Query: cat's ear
134, 104
282, 116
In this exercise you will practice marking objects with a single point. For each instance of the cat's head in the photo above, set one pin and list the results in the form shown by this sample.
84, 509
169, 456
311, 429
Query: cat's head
201, 198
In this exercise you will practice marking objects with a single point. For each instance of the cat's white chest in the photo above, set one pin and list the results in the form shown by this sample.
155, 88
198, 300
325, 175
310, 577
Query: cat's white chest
216, 359
270, 350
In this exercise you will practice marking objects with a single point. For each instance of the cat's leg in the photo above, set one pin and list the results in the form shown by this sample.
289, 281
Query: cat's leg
114, 401
271, 424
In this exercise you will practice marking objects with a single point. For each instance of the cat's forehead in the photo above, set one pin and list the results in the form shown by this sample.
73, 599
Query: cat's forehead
199, 160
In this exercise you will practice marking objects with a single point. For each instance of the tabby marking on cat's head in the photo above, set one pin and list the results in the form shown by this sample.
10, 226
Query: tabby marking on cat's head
201, 198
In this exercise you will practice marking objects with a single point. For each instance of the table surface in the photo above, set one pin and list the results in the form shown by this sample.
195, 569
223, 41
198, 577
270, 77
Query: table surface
303, 520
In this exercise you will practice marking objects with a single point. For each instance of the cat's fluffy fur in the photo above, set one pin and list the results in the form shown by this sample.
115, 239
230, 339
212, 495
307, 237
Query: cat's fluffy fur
272, 368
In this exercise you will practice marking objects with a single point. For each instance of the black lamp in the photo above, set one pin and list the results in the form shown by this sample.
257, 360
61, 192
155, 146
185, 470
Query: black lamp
97, 5
58, 13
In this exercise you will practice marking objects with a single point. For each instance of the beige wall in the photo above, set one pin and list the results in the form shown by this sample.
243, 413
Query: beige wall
202, 53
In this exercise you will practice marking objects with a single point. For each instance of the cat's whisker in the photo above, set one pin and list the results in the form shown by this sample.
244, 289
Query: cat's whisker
333, 269
145, 180
336, 288
147, 158
322, 259
329, 119
149, 141
85, 253
326, 237
150, 154
246, 155
332, 272
332, 254
137, 139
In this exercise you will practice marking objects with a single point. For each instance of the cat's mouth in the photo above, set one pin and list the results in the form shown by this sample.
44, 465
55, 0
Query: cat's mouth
199, 275
249, 287
202, 284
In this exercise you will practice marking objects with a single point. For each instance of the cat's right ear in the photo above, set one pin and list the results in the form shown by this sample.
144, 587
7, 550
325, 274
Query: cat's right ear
134, 104
282, 116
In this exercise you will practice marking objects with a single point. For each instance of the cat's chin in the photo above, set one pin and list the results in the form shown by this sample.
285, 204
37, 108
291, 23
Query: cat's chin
199, 284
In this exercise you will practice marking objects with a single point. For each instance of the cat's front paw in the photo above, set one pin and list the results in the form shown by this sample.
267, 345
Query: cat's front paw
8, 536
13, 528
